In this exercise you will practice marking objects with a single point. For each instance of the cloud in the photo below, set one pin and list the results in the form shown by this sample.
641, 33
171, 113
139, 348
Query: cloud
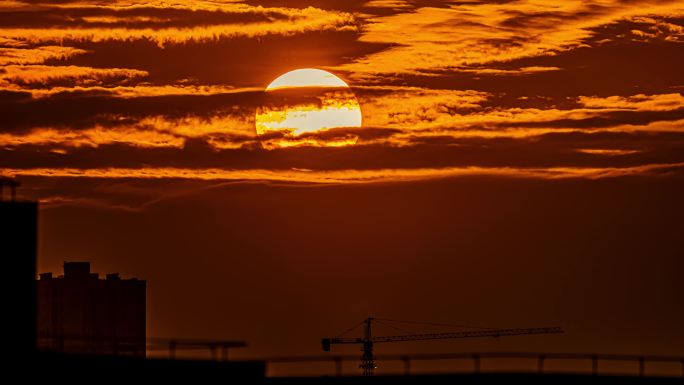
641, 102
392, 116
425, 113
91, 107
654, 28
513, 72
441, 84
136, 91
126, 149
147, 132
392, 4
45, 76
607, 151
344, 176
417, 108
476, 33
193, 42
37, 55
615, 68
164, 23
94, 137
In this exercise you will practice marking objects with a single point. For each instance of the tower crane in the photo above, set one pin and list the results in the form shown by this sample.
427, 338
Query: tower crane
367, 341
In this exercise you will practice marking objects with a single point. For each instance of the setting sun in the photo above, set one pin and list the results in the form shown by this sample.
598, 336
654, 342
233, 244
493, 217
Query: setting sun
306, 77
302, 106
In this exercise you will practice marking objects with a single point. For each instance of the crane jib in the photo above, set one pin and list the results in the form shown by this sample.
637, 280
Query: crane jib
368, 361
431, 336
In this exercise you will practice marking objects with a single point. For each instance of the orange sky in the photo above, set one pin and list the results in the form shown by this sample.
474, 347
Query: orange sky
132, 110
157, 75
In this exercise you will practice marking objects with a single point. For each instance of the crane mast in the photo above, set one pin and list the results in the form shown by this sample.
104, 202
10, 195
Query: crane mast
368, 360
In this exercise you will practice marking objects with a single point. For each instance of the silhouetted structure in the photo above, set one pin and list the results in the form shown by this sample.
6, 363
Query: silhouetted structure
367, 341
18, 246
81, 313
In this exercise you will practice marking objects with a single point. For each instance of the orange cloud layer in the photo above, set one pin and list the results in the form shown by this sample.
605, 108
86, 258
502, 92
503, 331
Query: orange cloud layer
93, 137
292, 21
153, 131
477, 33
412, 107
44, 75
142, 90
38, 55
662, 102
411, 114
607, 152
419, 112
342, 176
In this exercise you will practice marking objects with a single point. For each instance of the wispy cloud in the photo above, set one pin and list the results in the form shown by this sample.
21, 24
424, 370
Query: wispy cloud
36, 55
477, 33
663, 102
44, 76
344, 176
136, 91
404, 115
164, 23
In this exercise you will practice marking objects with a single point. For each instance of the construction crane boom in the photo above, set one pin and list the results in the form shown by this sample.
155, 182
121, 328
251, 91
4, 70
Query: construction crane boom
438, 336
367, 341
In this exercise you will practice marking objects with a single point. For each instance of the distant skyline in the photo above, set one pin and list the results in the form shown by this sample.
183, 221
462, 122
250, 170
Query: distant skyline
516, 164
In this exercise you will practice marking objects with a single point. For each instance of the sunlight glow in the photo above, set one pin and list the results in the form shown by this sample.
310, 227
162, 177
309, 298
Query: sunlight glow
302, 106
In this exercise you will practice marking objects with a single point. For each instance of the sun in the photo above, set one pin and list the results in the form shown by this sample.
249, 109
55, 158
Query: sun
308, 107
306, 77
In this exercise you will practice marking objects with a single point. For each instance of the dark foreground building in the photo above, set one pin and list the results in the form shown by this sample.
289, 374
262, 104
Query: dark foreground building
18, 247
81, 313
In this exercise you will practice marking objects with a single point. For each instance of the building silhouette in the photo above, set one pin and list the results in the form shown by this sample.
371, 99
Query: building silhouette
81, 313
18, 248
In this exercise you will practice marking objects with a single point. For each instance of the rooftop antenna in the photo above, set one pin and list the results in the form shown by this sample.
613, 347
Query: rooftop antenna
12, 184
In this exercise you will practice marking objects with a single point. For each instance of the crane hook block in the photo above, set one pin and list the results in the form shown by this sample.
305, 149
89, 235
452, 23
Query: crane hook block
325, 342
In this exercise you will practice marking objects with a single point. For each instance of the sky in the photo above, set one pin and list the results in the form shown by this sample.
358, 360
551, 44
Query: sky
519, 163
